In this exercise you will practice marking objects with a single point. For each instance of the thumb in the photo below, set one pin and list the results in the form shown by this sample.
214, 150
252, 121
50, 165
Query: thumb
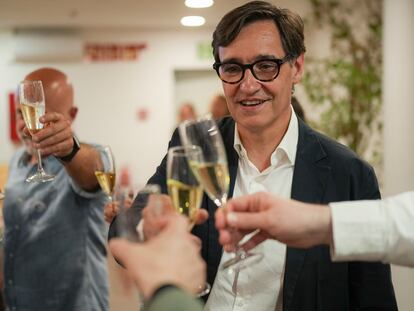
120, 249
247, 221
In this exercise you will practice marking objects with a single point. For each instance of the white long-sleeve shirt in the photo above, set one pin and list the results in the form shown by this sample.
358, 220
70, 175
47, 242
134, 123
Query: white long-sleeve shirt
380, 230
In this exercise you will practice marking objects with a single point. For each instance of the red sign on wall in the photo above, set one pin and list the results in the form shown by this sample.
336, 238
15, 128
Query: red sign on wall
97, 52
12, 121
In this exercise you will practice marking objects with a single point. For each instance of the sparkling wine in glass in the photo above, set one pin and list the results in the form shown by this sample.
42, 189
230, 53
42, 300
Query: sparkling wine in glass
184, 189
32, 104
105, 172
211, 170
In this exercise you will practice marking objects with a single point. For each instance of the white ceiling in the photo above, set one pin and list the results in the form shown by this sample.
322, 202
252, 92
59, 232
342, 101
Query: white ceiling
148, 14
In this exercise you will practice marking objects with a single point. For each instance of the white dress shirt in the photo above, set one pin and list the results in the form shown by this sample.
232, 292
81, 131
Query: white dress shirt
258, 286
380, 230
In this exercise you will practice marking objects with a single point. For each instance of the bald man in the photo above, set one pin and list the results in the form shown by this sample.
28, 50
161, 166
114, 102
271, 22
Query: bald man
55, 257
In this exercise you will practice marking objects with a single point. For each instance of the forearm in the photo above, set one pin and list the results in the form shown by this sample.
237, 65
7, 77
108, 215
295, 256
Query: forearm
81, 167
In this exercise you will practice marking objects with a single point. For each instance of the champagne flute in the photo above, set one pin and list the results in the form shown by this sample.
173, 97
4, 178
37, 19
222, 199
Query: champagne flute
105, 172
211, 170
32, 104
184, 189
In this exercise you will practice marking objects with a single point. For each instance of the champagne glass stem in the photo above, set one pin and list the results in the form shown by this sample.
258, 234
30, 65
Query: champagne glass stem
39, 162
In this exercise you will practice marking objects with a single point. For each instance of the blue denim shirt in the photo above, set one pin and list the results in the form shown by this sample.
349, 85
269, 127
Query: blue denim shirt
55, 237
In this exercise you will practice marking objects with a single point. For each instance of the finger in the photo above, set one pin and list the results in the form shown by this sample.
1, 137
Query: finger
55, 137
242, 204
253, 202
247, 221
51, 127
224, 237
254, 241
220, 218
60, 149
201, 216
51, 116
26, 132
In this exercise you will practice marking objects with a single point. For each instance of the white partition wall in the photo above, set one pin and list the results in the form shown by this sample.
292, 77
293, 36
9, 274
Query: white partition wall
398, 87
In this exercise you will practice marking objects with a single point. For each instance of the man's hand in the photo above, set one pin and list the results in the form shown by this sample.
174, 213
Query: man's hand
171, 257
156, 214
112, 208
291, 222
56, 138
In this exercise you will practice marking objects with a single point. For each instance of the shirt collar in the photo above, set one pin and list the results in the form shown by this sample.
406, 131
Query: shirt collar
285, 151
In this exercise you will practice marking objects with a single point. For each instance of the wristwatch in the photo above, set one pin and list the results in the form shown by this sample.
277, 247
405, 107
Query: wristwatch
75, 149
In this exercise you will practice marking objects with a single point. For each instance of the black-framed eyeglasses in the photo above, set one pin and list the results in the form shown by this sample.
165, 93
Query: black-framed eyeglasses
264, 70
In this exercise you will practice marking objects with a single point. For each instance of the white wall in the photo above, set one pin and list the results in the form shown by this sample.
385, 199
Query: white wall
398, 119
198, 87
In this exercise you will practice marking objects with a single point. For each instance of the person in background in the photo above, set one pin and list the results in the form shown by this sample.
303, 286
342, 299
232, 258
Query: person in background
167, 268
187, 112
218, 107
378, 230
55, 255
259, 56
297, 107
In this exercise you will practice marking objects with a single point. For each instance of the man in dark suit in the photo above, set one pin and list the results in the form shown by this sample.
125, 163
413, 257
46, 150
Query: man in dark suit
259, 56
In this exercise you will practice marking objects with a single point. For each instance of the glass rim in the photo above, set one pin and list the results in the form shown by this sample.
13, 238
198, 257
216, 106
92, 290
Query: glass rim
205, 117
31, 82
183, 150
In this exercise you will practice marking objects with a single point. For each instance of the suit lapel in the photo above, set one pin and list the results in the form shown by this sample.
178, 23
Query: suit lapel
214, 248
308, 185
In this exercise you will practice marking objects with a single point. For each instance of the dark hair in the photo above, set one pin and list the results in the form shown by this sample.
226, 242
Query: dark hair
289, 24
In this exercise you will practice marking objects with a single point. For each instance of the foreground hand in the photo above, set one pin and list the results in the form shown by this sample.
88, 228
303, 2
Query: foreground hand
172, 257
291, 222
112, 208
56, 138
156, 214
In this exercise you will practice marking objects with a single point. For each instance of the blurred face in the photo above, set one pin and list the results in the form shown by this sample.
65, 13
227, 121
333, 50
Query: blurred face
253, 104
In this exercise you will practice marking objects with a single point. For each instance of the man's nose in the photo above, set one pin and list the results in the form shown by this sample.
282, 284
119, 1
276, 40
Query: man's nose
249, 83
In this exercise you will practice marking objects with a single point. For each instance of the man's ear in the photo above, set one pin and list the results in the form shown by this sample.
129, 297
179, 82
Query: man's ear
298, 66
73, 112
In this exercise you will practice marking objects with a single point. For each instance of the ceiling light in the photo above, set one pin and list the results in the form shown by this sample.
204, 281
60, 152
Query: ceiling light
199, 3
192, 21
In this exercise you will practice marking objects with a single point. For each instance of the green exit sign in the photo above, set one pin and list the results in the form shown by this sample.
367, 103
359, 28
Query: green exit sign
204, 51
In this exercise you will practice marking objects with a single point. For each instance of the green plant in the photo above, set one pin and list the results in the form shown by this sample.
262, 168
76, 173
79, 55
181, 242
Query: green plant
346, 86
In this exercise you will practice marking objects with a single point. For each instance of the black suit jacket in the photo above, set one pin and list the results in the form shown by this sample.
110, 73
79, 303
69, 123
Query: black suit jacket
325, 171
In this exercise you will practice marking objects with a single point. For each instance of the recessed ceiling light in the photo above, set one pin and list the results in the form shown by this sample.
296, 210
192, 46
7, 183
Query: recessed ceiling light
199, 3
192, 21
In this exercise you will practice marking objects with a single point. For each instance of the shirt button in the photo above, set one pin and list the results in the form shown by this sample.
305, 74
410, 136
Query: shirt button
11, 255
239, 304
10, 282
16, 227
